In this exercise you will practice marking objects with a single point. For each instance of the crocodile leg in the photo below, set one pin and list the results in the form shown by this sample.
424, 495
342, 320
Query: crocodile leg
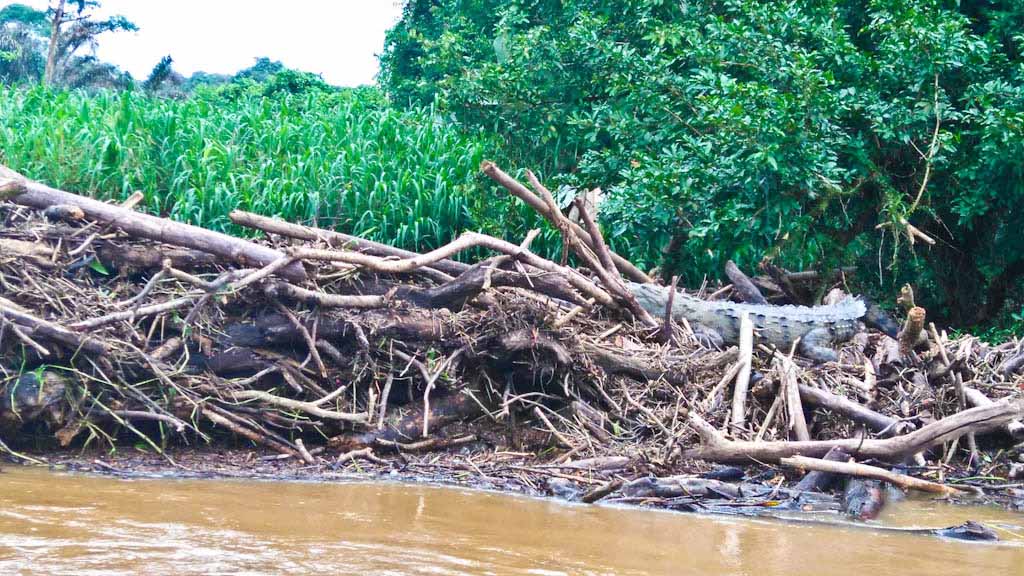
815, 345
708, 337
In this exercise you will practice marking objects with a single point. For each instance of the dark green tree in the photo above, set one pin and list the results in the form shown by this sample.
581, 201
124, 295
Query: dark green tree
814, 132
160, 73
22, 43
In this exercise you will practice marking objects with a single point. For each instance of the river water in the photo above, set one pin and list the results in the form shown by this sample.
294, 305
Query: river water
53, 523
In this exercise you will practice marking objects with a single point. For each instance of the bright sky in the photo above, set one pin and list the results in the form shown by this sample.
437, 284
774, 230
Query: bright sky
336, 38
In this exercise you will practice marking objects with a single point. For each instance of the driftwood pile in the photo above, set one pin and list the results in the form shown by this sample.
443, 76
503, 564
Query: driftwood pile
120, 326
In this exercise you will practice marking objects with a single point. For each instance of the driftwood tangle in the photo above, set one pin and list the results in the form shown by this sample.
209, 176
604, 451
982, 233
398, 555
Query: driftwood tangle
328, 348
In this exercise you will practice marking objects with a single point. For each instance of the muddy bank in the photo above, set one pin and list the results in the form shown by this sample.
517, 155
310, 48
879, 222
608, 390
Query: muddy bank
335, 355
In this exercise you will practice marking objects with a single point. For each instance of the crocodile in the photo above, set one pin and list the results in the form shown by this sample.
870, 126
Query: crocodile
816, 327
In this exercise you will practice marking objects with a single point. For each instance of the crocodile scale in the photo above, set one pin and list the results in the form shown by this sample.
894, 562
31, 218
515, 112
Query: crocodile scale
780, 326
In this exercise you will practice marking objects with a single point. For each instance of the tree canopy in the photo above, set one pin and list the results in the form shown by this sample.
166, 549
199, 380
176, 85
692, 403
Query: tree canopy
47, 45
815, 132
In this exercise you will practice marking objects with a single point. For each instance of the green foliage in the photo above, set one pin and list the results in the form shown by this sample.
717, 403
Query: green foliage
800, 130
22, 43
341, 159
24, 15
160, 73
261, 71
270, 78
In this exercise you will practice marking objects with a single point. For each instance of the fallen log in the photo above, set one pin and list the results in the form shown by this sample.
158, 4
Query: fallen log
866, 471
884, 425
1012, 365
312, 408
739, 397
819, 480
974, 397
411, 326
716, 448
600, 492
466, 241
790, 389
152, 257
21, 190
743, 285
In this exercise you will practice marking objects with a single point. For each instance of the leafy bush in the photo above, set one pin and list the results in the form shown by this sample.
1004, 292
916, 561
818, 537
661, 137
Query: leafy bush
809, 131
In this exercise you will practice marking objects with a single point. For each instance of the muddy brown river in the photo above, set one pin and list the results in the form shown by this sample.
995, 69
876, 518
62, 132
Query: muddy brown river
53, 523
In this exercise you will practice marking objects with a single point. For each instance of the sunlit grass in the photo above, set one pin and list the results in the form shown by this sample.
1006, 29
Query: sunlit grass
344, 160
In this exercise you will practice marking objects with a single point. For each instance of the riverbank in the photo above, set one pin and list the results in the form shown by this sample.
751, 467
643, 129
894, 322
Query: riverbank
752, 491
333, 354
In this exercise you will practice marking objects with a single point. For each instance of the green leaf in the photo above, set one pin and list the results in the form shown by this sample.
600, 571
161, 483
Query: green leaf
98, 267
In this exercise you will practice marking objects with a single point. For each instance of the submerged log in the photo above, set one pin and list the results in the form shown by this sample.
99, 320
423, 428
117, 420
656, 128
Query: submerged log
819, 480
866, 471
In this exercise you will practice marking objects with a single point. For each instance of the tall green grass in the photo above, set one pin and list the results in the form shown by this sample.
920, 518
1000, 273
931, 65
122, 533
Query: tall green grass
344, 160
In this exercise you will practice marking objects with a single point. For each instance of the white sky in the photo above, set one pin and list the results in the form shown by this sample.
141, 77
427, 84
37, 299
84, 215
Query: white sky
336, 38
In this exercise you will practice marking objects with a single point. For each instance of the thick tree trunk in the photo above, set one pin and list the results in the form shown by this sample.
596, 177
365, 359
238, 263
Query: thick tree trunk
51, 54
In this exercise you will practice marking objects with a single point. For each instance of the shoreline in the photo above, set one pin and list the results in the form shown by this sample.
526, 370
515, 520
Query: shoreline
506, 473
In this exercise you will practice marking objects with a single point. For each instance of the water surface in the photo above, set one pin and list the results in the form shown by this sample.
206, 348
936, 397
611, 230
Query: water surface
53, 523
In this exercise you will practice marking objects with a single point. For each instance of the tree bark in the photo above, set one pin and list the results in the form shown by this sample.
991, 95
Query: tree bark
51, 53
742, 284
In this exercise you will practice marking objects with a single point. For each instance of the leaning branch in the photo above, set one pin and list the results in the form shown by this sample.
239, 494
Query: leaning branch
523, 193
